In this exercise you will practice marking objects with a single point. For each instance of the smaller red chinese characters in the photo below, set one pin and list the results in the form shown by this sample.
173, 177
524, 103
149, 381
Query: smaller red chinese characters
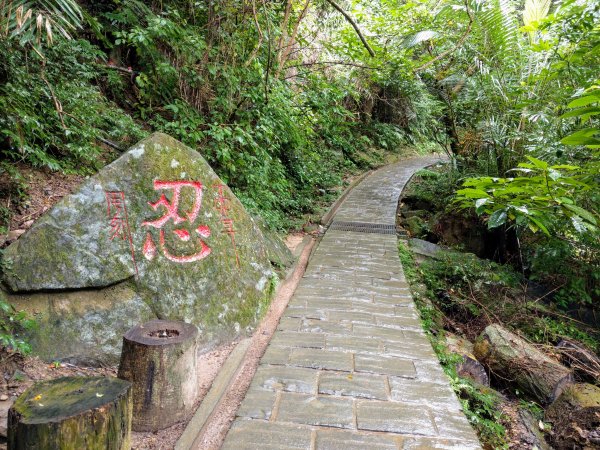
172, 214
116, 209
223, 205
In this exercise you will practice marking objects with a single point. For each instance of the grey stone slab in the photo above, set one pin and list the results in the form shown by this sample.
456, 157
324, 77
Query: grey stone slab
453, 425
276, 355
306, 313
289, 323
378, 332
321, 359
353, 385
410, 350
431, 370
384, 365
258, 434
351, 316
394, 417
258, 404
298, 339
423, 392
393, 299
324, 326
351, 343
403, 318
286, 378
352, 440
420, 443
311, 410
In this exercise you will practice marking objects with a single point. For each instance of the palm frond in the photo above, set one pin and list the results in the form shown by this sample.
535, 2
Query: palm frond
416, 38
499, 25
534, 11
33, 22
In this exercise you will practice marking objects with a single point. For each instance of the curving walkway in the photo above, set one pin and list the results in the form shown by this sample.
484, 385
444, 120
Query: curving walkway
350, 366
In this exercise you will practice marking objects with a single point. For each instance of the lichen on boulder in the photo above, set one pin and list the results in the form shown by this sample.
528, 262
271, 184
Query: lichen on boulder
160, 220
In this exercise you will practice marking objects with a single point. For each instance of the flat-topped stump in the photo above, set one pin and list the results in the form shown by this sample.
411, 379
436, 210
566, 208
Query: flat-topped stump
159, 358
72, 413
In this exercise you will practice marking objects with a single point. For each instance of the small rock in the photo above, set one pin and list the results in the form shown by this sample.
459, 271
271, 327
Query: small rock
28, 224
3, 397
425, 248
13, 235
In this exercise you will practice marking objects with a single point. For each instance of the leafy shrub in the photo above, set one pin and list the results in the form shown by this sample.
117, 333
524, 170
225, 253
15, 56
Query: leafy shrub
13, 324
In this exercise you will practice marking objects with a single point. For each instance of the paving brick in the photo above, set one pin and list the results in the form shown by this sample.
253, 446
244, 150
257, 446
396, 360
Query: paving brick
289, 323
394, 417
452, 425
298, 339
420, 443
409, 350
422, 392
321, 359
353, 385
276, 355
351, 343
324, 326
378, 332
257, 434
384, 365
258, 404
286, 378
352, 440
311, 410
351, 316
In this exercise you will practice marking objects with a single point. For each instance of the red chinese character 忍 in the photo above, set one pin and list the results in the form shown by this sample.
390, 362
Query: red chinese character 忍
172, 214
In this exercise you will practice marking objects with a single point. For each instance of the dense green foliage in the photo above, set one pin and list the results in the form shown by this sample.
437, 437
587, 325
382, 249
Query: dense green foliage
227, 79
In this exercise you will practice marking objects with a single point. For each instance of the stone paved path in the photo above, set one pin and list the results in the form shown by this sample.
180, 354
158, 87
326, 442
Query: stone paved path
349, 366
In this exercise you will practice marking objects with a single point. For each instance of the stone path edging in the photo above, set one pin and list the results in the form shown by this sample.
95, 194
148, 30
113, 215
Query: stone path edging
349, 366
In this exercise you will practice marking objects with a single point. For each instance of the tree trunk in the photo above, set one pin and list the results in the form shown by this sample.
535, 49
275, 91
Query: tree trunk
72, 413
575, 418
159, 358
510, 357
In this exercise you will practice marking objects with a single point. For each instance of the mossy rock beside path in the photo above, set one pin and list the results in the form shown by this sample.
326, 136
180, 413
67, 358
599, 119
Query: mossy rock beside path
159, 223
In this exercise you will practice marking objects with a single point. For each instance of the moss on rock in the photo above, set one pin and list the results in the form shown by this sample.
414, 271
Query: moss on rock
71, 247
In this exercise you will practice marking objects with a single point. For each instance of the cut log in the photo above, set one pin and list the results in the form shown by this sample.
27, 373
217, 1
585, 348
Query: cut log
512, 358
575, 418
159, 358
72, 413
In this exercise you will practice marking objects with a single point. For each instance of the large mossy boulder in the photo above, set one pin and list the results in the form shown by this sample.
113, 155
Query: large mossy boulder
159, 224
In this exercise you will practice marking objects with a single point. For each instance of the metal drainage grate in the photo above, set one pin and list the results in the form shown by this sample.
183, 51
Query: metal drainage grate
362, 227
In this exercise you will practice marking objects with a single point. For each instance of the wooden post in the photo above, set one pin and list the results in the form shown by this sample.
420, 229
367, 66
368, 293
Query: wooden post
72, 413
159, 358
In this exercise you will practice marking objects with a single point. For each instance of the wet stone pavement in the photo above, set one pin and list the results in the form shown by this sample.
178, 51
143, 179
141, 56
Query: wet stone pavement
350, 366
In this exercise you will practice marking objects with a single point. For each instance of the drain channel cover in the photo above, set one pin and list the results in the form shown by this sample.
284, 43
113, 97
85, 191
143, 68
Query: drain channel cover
363, 227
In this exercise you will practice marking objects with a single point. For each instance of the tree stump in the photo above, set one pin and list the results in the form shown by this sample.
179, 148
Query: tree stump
159, 358
72, 413
509, 356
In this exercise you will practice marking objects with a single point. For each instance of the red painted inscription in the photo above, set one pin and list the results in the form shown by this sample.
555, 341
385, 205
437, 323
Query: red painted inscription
116, 210
223, 205
172, 214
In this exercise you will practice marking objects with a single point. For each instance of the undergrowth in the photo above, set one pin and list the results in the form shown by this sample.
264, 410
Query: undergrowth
480, 404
